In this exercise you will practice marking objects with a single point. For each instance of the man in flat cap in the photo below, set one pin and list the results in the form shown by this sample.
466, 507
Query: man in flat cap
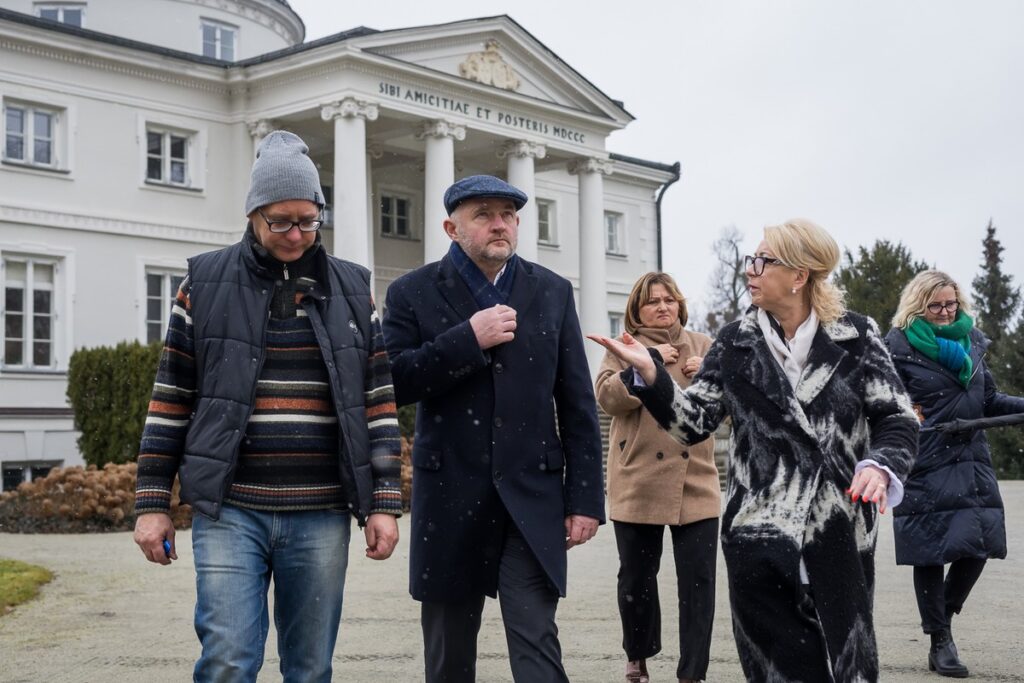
273, 405
507, 455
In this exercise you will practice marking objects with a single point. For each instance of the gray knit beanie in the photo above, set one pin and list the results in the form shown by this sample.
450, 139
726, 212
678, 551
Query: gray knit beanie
283, 171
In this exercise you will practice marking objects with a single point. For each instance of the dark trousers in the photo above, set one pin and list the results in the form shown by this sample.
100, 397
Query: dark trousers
528, 602
939, 599
695, 548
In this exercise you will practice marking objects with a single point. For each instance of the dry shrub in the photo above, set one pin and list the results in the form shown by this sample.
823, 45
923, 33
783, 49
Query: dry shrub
73, 500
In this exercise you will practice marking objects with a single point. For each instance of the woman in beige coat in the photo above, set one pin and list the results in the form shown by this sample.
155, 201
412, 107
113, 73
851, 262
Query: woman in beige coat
655, 482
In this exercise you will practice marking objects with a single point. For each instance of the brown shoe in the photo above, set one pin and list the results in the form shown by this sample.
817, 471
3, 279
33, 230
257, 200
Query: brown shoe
636, 671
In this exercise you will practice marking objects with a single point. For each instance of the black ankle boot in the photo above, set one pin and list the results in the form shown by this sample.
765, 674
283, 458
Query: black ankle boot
943, 658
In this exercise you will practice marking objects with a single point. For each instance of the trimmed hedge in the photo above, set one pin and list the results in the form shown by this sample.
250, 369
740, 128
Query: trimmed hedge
109, 390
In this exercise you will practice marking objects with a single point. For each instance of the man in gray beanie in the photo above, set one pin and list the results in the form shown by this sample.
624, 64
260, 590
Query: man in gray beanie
273, 406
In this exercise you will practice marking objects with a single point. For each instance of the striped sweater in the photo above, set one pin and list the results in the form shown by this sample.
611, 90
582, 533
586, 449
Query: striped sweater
288, 459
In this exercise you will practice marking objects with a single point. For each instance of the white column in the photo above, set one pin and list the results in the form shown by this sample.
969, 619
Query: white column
351, 222
520, 155
593, 280
259, 129
440, 137
373, 152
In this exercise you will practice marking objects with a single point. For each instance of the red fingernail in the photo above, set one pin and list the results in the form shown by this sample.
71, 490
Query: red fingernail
849, 489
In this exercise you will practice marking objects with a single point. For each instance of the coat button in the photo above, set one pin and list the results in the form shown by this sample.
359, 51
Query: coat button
660, 455
686, 455
497, 475
499, 368
497, 422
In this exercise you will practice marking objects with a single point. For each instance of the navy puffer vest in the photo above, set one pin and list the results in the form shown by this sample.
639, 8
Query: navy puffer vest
231, 294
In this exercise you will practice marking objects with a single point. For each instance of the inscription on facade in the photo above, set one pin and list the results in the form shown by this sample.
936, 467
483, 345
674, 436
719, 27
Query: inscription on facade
471, 110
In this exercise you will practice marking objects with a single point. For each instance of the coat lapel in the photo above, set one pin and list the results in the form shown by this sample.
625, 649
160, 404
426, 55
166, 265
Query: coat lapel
823, 360
523, 287
454, 290
762, 370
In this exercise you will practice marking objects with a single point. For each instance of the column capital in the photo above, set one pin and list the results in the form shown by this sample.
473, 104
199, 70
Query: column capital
522, 149
590, 165
349, 108
259, 128
439, 128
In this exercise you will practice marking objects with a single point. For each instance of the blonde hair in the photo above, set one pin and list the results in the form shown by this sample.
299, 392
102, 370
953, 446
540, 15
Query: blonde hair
919, 291
802, 244
641, 294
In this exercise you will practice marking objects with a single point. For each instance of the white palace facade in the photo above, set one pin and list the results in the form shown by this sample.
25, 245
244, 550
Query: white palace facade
130, 127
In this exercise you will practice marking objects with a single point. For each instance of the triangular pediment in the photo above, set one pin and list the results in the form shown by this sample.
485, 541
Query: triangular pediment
495, 52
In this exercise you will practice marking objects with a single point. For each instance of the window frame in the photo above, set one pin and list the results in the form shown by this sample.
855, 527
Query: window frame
195, 157
219, 27
616, 324
413, 201
58, 124
619, 247
30, 286
166, 157
61, 7
552, 222
168, 291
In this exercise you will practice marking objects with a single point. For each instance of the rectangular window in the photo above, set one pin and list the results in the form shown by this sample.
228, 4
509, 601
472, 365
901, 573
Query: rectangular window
615, 324
167, 157
219, 40
161, 290
29, 314
65, 13
546, 233
614, 242
13, 476
394, 215
30, 134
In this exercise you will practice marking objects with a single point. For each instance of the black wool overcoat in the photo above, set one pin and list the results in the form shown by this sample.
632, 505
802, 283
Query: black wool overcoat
952, 508
510, 433
792, 458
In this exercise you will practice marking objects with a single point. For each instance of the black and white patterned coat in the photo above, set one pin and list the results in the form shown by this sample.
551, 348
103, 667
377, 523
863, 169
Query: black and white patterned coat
792, 459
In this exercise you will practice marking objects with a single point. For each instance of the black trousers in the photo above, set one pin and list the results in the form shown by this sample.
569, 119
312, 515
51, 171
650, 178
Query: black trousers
528, 603
695, 548
938, 599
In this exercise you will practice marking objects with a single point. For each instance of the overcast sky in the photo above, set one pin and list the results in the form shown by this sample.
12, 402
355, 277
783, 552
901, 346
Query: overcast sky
877, 119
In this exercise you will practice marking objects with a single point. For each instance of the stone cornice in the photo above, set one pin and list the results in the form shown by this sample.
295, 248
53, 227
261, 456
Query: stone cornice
279, 18
121, 61
72, 221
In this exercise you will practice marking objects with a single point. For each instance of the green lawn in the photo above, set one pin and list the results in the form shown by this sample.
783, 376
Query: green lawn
20, 582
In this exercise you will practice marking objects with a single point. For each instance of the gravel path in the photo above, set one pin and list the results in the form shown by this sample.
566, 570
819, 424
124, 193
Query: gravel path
110, 616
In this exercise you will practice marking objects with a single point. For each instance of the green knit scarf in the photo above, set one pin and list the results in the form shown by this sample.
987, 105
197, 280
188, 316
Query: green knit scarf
948, 345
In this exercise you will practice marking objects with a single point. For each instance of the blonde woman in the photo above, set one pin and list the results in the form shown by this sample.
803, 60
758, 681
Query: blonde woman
952, 512
653, 482
823, 434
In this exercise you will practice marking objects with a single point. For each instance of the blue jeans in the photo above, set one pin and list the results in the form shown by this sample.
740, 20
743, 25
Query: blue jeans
306, 553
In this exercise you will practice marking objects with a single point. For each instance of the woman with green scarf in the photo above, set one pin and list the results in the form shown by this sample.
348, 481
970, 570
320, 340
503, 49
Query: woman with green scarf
952, 512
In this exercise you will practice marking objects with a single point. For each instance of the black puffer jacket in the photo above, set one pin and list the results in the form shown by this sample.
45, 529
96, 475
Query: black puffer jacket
952, 508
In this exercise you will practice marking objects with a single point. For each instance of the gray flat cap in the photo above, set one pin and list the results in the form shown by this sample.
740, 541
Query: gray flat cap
482, 186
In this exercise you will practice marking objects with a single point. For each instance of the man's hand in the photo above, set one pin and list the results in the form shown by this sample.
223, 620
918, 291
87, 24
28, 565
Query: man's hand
691, 366
494, 325
579, 529
381, 536
669, 353
151, 529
